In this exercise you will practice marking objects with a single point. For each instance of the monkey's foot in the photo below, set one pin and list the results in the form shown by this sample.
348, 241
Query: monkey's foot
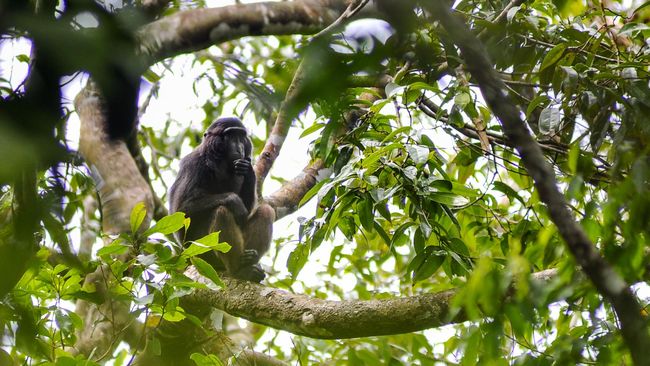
249, 258
253, 273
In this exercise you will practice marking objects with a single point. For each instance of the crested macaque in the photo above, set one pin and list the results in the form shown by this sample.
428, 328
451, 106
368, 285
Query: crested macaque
215, 187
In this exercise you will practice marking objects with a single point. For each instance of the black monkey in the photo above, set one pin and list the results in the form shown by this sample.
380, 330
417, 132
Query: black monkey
215, 187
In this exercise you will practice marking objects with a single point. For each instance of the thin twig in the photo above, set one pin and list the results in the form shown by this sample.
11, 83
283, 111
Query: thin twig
352, 9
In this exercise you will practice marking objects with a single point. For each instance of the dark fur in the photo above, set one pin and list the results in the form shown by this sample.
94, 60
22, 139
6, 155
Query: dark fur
215, 187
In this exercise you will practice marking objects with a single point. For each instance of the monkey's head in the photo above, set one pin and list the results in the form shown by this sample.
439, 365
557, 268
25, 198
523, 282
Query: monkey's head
227, 138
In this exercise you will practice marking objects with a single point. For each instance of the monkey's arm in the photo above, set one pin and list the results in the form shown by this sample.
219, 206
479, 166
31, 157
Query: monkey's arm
243, 167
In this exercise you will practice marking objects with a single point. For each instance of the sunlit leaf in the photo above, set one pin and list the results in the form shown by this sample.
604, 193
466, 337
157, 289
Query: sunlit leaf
138, 214
553, 56
205, 360
168, 224
206, 270
113, 249
549, 120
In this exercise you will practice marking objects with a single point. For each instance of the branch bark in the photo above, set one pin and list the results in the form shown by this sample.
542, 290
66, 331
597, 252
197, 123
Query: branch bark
121, 186
606, 280
196, 29
294, 102
326, 319
289, 109
118, 180
286, 199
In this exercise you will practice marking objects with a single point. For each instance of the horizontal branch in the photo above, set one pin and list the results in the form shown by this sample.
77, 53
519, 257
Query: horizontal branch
196, 29
327, 319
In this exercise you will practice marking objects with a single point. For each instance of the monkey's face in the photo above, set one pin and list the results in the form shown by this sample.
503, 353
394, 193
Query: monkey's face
228, 139
237, 145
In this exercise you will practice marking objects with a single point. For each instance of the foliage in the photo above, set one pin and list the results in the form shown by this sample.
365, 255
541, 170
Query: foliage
426, 193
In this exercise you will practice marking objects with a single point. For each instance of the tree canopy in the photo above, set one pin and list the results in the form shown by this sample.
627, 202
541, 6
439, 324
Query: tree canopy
475, 186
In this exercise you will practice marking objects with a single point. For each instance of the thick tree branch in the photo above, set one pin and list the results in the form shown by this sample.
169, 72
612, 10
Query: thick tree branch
252, 358
293, 103
196, 29
121, 186
289, 109
326, 319
153, 8
286, 199
608, 282
119, 182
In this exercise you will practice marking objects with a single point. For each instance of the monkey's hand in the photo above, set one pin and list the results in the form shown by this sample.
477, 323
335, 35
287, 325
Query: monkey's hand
243, 167
249, 269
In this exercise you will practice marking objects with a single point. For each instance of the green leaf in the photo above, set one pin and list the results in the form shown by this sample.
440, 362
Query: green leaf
186, 223
23, 58
206, 270
399, 235
426, 263
633, 27
419, 153
458, 246
508, 191
65, 361
419, 85
212, 240
312, 192
113, 249
195, 249
553, 56
382, 233
375, 156
549, 120
168, 224
204, 245
642, 6
313, 128
364, 209
462, 99
395, 132
447, 198
56, 229
174, 315
326, 140
442, 184
205, 360
536, 102
297, 259
151, 76
138, 215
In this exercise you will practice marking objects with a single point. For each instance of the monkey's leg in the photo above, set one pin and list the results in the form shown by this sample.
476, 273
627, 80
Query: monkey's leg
225, 222
257, 239
259, 229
